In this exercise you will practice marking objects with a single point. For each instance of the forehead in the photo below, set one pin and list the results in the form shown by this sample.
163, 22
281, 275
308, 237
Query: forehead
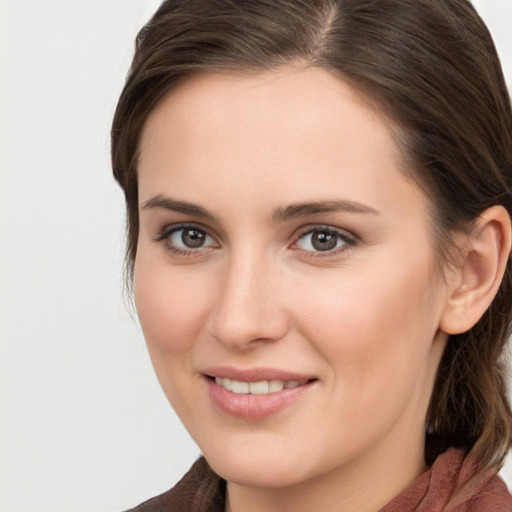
285, 103
299, 130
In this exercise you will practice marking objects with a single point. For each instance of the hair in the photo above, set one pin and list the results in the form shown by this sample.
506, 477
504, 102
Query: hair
431, 67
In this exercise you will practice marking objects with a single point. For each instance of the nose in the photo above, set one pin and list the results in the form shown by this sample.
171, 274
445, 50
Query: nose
250, 308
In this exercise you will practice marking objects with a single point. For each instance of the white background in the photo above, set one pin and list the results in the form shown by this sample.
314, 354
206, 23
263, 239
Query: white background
84, 426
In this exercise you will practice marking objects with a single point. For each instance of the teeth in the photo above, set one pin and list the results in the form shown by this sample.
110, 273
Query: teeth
258, 388
240, 387
227, 383
275, 385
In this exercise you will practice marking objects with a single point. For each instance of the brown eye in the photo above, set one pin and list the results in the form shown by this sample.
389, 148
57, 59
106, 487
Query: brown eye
324, 240
186, 239
192, 237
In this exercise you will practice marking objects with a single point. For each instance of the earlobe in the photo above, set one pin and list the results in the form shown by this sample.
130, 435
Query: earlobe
479, 275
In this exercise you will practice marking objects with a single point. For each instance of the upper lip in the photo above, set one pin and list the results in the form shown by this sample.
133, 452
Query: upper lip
255, 374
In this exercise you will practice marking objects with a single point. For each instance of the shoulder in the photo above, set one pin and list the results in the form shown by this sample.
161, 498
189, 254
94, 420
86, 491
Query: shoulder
454, 484
493, 496
200, 490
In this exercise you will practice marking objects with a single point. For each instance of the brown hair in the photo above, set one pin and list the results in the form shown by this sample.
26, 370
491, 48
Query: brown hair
431, 67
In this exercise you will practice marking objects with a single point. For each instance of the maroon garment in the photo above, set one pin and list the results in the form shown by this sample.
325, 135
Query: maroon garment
200, 490
450, 485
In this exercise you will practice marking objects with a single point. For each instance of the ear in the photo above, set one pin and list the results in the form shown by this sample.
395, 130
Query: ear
479, 273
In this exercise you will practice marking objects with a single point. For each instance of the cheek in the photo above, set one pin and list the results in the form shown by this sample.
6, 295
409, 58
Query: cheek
377, 342
374, 328
172, 305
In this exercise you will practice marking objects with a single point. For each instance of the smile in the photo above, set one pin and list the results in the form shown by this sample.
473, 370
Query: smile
256, 394
258, 388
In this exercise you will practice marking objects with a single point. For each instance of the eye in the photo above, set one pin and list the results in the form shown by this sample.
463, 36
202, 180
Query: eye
185, 240
190, 238
324, 239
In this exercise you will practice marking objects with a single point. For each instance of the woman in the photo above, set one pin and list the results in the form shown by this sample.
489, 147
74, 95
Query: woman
319, 199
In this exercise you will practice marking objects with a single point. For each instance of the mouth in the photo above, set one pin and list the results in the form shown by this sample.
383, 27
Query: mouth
256, 394
261, 387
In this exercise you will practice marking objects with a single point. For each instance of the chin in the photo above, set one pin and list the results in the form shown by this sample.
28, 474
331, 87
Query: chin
265, 474
260, 463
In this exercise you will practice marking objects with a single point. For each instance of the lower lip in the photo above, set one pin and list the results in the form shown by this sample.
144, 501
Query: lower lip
254, 407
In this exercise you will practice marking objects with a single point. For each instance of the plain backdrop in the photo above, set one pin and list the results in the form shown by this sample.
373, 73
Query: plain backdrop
84, 426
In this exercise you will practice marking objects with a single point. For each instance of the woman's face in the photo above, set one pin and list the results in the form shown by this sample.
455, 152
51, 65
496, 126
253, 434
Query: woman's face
285, 279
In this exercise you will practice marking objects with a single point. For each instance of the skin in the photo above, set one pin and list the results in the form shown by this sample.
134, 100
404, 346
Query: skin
365, 319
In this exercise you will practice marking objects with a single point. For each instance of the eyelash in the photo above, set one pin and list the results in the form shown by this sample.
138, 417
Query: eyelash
166, 234
349, 241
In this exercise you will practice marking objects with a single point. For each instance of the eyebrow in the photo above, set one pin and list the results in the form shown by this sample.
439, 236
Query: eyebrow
280, 214
294, 211
166, 203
